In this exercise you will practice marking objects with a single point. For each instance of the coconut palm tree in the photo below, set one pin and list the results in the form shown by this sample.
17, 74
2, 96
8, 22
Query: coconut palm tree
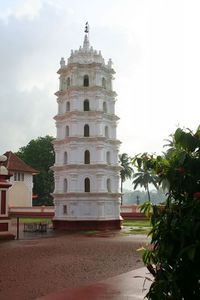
126, 171
145, 174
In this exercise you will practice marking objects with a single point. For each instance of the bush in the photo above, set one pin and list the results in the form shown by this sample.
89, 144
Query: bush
174, 255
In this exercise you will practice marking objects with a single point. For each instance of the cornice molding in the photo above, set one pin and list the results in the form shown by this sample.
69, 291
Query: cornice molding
100, 167
87, 140
86, 114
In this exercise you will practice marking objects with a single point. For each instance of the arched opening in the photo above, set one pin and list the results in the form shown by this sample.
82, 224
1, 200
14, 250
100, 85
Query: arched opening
108, 185
67, 131
87, 185
103, 83
65, 157
86, 105
86, 130
67, 106
68, 81
86, 80
105, 107
108, 157
65, 185
64, 209
106, 132
87, 157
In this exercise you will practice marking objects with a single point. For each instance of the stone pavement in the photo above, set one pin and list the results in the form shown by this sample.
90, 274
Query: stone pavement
128, 286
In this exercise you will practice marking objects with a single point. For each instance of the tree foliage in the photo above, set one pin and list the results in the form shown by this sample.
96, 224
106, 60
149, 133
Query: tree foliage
173, 258
145, 175
126, 171
39, 154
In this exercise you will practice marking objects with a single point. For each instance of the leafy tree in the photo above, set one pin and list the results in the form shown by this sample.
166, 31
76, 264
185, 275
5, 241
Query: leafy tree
145, 174
126, 171
39, 154
173, 256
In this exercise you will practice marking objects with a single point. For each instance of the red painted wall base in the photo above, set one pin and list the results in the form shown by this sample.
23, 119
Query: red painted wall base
86, 225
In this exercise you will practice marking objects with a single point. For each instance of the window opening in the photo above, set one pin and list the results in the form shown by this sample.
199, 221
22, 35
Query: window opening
86, 105
68, 81
67, 106
108, 185
87, 185
65, 209
106, 131
65, 185
105, 107
65, 158
67, 131
108, 157
86, 80
86, 130
103, 83
87, 157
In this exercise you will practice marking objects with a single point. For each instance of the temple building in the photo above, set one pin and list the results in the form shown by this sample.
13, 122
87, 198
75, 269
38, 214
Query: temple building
86, 168
20, 194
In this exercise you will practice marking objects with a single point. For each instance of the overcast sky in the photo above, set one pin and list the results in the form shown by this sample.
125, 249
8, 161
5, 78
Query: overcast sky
155, 48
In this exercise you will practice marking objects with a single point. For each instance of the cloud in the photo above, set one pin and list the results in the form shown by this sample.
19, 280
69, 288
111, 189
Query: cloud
25, 116
153, 45
28, 9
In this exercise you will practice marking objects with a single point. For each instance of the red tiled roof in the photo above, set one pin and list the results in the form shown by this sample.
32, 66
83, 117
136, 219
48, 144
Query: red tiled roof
14, 163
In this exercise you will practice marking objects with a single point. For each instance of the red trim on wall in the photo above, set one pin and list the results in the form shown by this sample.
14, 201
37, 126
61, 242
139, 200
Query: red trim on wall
32, 214
5, 185
3, 202
133, 215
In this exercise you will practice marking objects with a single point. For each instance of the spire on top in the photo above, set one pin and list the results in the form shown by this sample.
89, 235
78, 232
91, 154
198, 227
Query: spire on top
86, 43
85, 54
86, 27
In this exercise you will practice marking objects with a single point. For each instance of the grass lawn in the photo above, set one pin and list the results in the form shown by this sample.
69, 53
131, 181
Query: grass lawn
136, 223
35, 220
136, 227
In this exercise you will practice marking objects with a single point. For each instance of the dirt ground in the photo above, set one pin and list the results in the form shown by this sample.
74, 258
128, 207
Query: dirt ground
32, 268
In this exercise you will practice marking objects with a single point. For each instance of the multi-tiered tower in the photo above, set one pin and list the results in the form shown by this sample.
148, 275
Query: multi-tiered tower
86, 169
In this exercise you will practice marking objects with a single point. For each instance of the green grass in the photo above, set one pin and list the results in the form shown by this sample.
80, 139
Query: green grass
136, 227
35, 220
136, 223
136, 231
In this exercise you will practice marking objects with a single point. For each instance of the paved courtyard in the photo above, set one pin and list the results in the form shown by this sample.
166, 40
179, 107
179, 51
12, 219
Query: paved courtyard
37, 267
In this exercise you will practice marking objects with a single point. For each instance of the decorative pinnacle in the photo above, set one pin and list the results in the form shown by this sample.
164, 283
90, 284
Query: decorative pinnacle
62, 62
86, 43
86, 27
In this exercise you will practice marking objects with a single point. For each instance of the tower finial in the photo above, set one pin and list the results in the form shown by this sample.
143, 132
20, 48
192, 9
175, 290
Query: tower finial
86, 27
86, 43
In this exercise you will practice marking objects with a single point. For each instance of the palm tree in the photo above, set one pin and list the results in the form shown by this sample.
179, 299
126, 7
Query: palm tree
143, 179
145, 174
126, 171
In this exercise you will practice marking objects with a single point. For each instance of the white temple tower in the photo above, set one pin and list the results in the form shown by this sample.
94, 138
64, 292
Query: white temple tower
86, 169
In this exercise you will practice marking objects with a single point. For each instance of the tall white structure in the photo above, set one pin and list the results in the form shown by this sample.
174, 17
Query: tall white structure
86, 169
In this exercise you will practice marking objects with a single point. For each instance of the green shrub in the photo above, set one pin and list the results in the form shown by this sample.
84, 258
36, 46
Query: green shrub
173, 257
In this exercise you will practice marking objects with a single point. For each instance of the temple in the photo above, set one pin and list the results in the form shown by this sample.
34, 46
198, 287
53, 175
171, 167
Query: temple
86, 168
